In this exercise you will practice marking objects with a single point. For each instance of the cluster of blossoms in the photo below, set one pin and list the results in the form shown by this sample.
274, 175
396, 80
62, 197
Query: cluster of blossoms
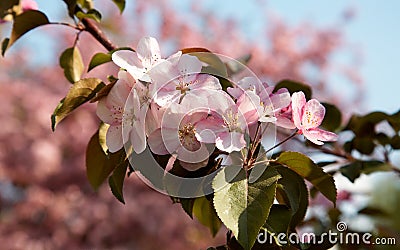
170, 105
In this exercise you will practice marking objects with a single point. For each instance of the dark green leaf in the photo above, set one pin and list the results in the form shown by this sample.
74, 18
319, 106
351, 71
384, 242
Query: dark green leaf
101, 58
293, 192
243, 206
187, 205
364, 145
353, 170
294, 86
100, 164
306, 168
71, 4
92, 14
333, 117
24, 23
204, 211
395, 142
279, 219
116, 182
71, 62
120, 4
394, 121
4, 45
81, 92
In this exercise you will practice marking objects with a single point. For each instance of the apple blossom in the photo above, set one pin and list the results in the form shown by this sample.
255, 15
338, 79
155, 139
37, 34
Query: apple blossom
138, 63
308, 116
172, 79
121, 110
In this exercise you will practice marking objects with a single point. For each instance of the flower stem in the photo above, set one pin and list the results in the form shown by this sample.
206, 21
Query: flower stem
282, 142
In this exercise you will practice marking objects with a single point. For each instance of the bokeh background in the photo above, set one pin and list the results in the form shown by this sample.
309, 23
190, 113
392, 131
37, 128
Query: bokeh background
347, 50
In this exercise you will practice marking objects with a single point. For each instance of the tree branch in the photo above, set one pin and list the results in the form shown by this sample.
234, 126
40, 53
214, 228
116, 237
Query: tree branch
92, 28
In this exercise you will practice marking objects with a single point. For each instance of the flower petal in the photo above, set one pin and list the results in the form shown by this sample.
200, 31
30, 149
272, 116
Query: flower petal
148, 52
313, 114
104, 113
230, 142
317, 135
156, 143
129, 60
298, 102
114, 138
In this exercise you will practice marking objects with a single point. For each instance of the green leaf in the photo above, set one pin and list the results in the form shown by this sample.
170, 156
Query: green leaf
215, 66
81, 92
204, 211
71, 4
292, 191
116, 181
364, 145
71, 62
333, 117
101, 58
237, 66
294, 86
4, 45
120, 4
98, 59
353, 170
187, 205
92, 14
278, 220
395, 142
99, 164
306, 168
241, 205
24, 23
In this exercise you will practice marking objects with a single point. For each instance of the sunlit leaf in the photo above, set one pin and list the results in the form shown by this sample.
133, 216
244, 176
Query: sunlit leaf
120, 4
92, 14
71, 62
81, 92
294, 86
116, 181
306, 168
241, 205
204, 211
24, 23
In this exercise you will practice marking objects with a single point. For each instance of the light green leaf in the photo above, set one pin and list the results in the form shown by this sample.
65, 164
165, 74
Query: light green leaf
92, 14
71, 62
116, 181
242, 206
306, 168
120, 4
81, 92
98, 59
204, 211
294, 86
24, 23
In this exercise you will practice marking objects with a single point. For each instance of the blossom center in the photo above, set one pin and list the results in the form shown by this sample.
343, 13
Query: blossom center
232, 121
187, 137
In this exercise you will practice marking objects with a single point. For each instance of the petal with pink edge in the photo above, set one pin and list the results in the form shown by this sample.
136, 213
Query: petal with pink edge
298, 102
313, 114
114, 138
317, 135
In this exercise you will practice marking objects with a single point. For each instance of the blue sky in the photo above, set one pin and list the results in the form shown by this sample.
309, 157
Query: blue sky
374, 30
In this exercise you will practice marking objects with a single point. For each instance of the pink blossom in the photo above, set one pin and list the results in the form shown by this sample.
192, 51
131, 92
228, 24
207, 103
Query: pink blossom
177, 134
308, 116
173, 79
121, 110
29, 5
138, 63
229, 121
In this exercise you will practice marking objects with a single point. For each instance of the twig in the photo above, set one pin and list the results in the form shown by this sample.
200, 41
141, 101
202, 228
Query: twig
98, 34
